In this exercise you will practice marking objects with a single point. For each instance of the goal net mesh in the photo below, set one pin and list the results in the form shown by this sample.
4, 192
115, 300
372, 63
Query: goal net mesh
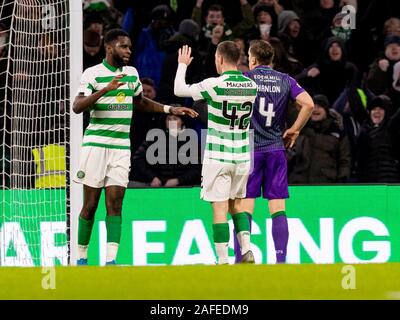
34, 131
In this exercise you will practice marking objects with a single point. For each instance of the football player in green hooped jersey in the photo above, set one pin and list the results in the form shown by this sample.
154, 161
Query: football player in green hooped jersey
109, 90
226, 162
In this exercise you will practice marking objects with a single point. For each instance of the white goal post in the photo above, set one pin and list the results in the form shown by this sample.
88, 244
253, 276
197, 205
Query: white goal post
76, 195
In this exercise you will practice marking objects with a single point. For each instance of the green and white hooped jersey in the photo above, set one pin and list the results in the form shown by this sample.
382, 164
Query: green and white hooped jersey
110, 117
230, 99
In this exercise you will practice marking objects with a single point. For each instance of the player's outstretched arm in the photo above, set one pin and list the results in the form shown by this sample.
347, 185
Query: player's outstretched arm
181, 89
147, 105
306, 108
83, 103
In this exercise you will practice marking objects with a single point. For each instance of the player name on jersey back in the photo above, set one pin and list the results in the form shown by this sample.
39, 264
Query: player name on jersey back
275, 89
265, 79
239, 85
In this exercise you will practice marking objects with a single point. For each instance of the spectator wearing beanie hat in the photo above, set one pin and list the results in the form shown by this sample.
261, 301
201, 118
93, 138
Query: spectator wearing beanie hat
296, 41
285, 19
93, 50
377, 156
273, 4
380, 76
150, 46
332, 73
162, 24
94, 21
322, 151
383, 104
322, 101
190, 29
266, 23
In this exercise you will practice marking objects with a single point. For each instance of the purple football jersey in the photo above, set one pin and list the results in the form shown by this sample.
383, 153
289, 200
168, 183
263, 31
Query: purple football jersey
274, 89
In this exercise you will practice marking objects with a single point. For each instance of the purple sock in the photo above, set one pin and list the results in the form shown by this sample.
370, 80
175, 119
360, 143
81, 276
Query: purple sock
280, 234
236, 245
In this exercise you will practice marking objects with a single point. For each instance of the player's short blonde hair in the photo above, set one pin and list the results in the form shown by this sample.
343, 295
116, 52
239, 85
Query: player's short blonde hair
230, 51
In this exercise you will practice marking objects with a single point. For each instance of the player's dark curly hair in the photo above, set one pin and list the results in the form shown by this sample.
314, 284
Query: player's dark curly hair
113, 34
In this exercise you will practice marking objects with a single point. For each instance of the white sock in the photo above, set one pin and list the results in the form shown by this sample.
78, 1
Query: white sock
112, 250
222, 252
244, 241
82, 251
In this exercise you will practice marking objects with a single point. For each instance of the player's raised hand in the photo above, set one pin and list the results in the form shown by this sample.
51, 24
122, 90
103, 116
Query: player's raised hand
116, 82
184, 55
289, 137
181, 111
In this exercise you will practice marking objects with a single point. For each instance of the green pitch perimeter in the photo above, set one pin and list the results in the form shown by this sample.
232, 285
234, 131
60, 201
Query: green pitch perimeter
372, 281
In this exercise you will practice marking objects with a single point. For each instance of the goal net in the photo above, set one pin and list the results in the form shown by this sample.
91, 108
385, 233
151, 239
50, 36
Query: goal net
34, 131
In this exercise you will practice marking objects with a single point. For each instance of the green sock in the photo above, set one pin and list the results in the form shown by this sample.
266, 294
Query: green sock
241, 222
221, 232
113, 226
84, 231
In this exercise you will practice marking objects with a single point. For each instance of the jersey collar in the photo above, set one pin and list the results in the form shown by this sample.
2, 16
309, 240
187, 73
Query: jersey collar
232, 72
110, 67
263, 67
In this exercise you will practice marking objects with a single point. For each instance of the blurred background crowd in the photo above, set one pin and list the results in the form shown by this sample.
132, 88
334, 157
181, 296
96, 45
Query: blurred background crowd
353, 75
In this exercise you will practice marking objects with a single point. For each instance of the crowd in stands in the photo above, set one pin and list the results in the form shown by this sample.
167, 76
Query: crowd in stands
353, 75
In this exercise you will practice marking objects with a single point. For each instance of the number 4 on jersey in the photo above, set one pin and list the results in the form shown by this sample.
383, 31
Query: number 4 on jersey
268, 114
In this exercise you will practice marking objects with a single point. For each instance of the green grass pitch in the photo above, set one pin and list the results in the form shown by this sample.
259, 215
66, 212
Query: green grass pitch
237, 282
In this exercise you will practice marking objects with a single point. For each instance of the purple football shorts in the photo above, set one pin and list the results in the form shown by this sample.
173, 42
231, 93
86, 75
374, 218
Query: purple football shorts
270, 174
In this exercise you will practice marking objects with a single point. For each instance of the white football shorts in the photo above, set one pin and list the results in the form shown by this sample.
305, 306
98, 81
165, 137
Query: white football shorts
103, 167
223, 181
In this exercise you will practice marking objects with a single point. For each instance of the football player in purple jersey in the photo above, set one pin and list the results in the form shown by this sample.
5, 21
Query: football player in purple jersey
269, 175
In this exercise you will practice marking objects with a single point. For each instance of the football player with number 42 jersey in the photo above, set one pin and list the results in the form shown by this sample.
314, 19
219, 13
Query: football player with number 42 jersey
226, 163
